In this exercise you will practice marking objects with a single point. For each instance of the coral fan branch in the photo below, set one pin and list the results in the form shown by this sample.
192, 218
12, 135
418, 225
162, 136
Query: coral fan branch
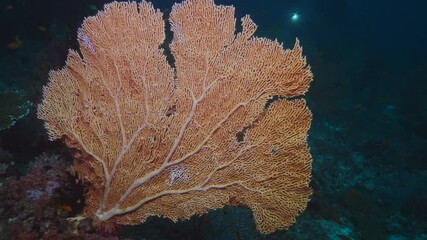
90, 153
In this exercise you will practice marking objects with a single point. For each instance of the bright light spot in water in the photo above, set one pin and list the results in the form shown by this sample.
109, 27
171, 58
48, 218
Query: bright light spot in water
295, 17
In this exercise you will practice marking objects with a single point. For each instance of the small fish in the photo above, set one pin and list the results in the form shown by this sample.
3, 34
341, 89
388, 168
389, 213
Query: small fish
8, 7
17, 43
66, 208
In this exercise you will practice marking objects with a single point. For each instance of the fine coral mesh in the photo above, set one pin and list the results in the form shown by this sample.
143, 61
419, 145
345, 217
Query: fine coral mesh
155, 140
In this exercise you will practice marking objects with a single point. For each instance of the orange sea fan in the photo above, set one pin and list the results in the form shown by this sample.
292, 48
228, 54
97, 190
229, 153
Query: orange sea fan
155, 140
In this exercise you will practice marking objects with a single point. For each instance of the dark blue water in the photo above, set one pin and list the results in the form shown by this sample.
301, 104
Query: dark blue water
368, 136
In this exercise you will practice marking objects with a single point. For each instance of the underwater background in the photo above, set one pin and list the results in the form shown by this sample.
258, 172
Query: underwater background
368, 136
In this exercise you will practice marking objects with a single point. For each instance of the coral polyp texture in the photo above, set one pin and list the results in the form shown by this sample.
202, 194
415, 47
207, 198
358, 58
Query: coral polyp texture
154, 137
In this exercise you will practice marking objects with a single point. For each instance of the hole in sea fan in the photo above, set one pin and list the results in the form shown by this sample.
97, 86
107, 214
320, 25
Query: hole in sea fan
274, 150
171, 110
240, 136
